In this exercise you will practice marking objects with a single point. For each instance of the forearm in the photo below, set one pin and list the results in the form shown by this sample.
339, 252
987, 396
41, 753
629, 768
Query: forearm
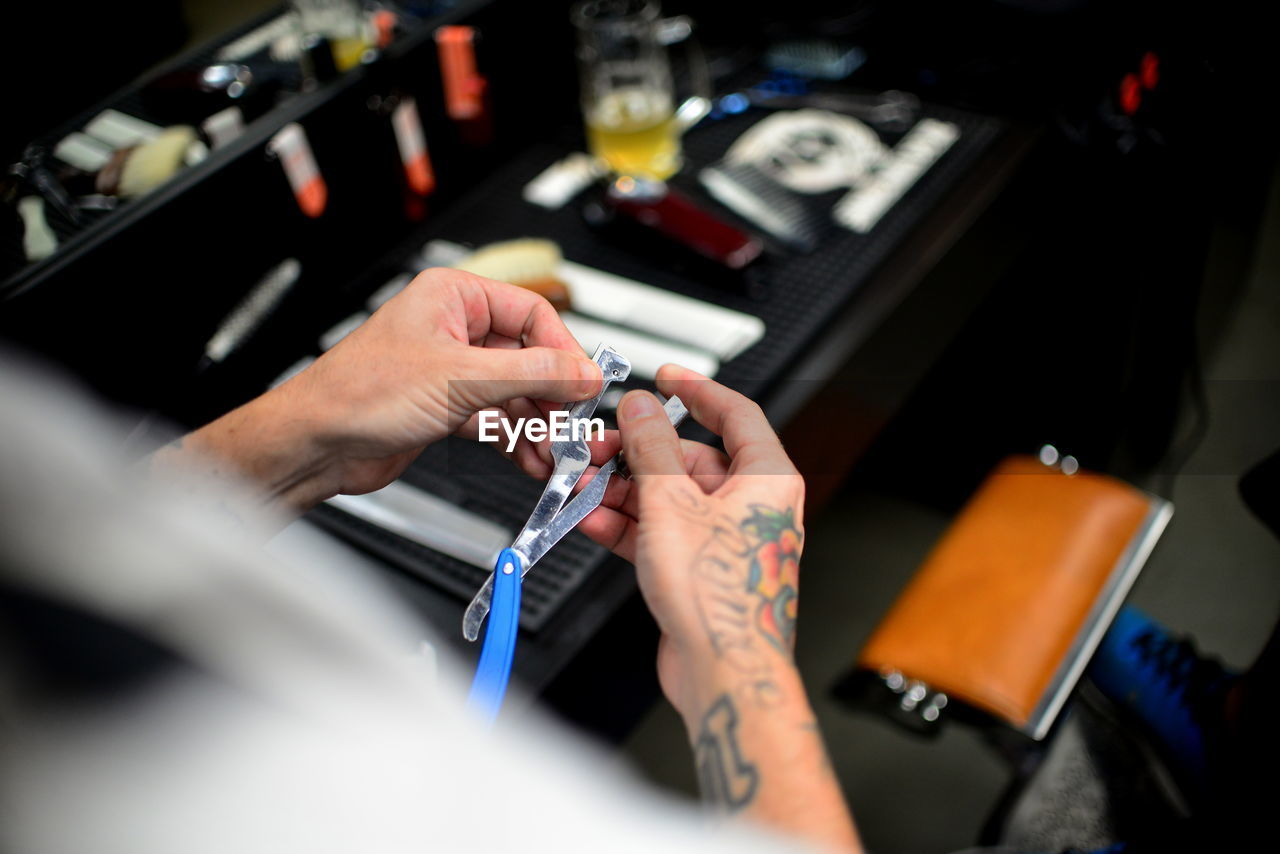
759, 754
272, 445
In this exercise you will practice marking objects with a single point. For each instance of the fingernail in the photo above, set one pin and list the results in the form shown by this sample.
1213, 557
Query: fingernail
638, 405
590, 374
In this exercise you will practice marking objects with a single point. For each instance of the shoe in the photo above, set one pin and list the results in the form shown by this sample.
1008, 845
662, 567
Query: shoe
1177, 695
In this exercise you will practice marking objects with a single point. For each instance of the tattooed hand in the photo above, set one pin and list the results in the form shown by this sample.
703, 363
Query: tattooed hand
716, 541
716, 538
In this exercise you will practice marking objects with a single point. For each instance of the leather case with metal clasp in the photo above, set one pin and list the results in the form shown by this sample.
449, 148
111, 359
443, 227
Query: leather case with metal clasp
1009, 606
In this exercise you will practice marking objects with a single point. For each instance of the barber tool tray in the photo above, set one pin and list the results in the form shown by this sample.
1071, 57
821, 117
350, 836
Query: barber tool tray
799, 293
479, 481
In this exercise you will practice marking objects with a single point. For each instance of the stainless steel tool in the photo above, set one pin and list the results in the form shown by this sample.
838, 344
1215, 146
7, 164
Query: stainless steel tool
555, 515
571, 456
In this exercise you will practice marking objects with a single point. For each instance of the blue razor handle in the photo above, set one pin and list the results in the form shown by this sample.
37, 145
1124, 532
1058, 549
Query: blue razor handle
499, 649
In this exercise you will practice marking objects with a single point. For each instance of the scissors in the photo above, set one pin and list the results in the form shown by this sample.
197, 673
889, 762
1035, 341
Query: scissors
553, 517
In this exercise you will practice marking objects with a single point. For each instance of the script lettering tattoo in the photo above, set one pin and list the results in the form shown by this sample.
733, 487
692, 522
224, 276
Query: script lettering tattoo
727, 779
747, 590
687, 502
747, 587
722, 569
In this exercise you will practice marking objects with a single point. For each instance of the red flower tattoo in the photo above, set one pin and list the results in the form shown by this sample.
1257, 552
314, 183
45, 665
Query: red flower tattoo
775, 573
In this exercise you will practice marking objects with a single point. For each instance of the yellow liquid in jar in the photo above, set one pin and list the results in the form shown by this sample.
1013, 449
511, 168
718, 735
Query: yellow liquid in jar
634, 133
348, 51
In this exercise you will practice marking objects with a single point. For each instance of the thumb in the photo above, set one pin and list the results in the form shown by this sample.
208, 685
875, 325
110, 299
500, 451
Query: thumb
648, 439
494, 377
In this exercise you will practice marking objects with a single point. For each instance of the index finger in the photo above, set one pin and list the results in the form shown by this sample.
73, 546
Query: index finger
749, 439
513, 312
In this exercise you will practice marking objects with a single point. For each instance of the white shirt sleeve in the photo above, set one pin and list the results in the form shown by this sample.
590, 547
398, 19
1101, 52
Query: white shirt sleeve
301, 718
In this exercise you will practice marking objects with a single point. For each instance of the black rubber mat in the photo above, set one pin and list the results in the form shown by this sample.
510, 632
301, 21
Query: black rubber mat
801, 295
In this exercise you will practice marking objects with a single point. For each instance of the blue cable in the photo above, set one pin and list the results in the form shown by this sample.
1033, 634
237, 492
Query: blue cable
499, 650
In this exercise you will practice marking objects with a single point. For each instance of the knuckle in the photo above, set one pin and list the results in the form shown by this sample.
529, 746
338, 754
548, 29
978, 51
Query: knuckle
541, 363
541, 305
468, 396
648, 446
745, 407
430, 278
743, 411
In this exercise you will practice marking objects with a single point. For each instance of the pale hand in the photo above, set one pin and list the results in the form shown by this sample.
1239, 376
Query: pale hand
449, 345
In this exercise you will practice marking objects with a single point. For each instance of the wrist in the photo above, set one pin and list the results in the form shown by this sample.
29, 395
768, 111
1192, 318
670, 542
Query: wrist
278, 443
296, 450
770, 681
